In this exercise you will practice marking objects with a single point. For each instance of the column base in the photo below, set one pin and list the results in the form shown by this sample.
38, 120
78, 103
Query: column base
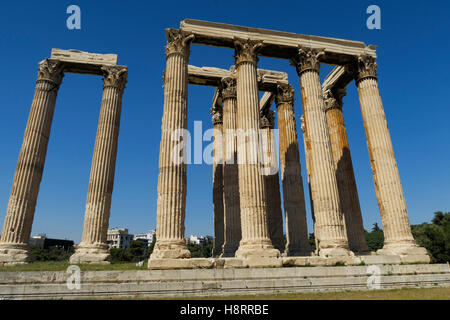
229, 250
216, 252
94, 254
12, 254
170, 249
408, 251
297, 252
260, 249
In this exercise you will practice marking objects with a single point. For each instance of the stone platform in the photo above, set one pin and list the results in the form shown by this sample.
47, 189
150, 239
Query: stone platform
220, 282
305, 261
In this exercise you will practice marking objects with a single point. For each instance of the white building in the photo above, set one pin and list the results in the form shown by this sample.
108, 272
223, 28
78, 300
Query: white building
119, 238
195, 240
146, 238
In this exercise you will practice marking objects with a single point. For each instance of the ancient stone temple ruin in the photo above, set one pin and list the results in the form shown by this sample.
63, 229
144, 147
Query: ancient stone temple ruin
248, 219
22, 202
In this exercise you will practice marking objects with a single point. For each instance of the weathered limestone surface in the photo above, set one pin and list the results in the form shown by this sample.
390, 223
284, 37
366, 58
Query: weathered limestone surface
307, 146
255, 234
22, 202
276, 44
217, 282
93, 247
271, 179
291, 177
76, 61
348, 193
218, 200
171, 206
232, 210
331, 235
394, 214
209, 76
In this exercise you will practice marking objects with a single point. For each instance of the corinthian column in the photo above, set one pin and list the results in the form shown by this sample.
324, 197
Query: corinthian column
271, 180
255, 234
170, 242
329, 220
291, 176
14, 240
232, 213
93, 247
217, 121
348, 194
394, 215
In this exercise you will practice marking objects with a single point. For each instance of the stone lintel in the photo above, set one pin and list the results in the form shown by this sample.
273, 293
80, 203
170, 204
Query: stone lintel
338, 78
277, 44
266, 100
209, 76
75, 61
217, 99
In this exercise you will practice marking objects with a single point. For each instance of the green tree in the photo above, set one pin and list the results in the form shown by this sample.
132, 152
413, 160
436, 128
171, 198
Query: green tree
375, 238
435, 237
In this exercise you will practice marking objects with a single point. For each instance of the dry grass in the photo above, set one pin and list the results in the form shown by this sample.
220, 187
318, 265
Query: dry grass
394, 294
63, 265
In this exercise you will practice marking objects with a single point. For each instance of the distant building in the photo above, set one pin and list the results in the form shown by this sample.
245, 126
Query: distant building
43, 242
119, 238
194, 239
145, 238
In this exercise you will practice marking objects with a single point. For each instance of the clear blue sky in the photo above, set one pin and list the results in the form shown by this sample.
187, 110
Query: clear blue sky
414, 81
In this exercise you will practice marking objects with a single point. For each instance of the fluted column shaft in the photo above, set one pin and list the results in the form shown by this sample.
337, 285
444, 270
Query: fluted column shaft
307, 147
398, 238
170, 228
232, 210
255, 234
30, 166
329, 220
348, 193
271, 180
218, 196
291, 176
93, 246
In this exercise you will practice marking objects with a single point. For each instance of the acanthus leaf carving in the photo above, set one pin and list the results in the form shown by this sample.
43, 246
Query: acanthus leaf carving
285, 94
228, 88
51, 70
307, 59
115, 76
367, 67
267, 119
217, 114
246, 50
178, 42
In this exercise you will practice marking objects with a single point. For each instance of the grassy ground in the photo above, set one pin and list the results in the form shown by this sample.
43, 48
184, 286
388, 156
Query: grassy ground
62, 266
395, 294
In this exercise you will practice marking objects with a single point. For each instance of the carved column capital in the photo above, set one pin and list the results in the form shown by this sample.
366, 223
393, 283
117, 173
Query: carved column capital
285, 94
246, 50
307, 59
178, 42
228, 88
267, 119
217, 114
333, 98
115, 76
52, 71
367, 68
